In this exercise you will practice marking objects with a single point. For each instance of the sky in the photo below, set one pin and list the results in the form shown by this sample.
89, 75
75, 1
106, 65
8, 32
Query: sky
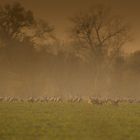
58, 12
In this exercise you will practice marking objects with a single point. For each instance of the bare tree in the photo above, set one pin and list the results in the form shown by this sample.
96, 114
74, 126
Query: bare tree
100, 31
104, 35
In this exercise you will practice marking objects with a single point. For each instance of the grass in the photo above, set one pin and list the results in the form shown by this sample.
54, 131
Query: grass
27, 121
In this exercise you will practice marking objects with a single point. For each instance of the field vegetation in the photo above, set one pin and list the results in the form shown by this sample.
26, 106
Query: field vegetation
69, 121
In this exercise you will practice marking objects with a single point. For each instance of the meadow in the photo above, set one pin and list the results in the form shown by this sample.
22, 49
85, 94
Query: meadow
69, 121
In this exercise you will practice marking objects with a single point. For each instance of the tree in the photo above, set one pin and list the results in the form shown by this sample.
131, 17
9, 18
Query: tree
19, 25
12, 18
22, 35
134, 63
103, 34
40, 35
100, 31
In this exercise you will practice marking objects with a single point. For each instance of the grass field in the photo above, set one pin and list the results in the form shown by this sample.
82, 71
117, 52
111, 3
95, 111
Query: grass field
36, 121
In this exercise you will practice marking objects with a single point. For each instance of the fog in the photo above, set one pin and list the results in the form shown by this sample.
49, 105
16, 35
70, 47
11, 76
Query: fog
34, 62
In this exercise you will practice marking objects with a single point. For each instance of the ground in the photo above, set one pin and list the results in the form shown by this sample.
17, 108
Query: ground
67, 121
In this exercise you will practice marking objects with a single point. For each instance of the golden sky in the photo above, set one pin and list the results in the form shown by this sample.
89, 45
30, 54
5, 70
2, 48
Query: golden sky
57, 13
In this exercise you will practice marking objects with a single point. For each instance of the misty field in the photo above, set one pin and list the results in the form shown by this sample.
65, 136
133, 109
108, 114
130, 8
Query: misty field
69, 121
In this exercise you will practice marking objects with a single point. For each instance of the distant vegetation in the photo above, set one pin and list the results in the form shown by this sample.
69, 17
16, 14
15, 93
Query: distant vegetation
34, 62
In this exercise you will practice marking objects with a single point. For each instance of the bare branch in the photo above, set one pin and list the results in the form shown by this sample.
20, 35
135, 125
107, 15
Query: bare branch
100, 30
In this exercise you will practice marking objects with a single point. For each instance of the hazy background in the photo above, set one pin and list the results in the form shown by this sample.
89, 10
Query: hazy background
39, 62
58, 13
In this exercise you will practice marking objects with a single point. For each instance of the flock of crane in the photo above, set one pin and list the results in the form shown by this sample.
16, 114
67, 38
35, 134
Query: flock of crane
89, 100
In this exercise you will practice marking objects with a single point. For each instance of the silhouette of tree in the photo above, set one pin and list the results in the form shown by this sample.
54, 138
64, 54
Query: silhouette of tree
103, 34
100, 31
19, 24
12, 18
22, 35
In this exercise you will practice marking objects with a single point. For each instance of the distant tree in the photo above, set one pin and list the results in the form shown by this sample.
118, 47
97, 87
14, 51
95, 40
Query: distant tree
13, 18
103, 35
133, 62
100, 31
19, 24
40, 35
22, 36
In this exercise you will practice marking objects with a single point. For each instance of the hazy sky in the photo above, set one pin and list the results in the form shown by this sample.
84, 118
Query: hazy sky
57, 12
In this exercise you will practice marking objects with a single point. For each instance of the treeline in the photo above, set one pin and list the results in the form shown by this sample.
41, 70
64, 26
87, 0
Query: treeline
34, 62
